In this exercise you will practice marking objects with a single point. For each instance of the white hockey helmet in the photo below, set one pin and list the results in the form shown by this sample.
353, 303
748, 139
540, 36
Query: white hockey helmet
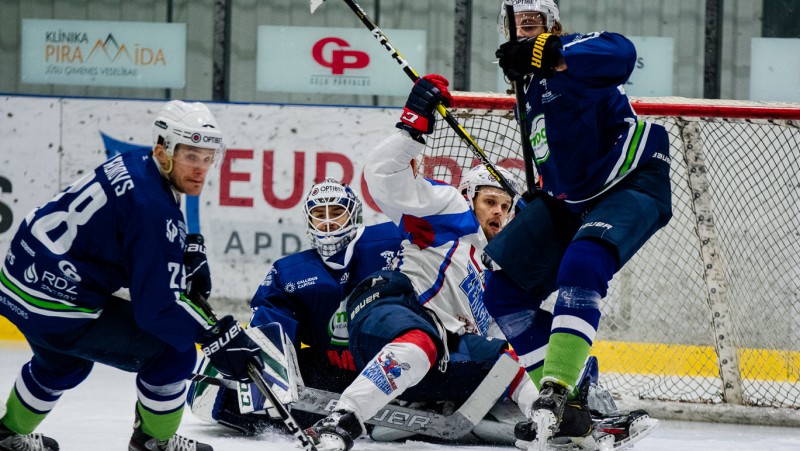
547, 7
480, 176
331, 192
187, 123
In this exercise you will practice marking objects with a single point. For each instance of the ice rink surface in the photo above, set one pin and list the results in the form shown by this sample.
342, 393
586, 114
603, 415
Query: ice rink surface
98, 416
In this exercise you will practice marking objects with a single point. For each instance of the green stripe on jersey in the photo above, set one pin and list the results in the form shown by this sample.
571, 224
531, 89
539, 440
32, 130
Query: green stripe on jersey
41, 303
632, 148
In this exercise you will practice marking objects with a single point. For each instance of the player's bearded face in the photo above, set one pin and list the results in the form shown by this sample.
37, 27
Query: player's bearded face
492, 207
190, 167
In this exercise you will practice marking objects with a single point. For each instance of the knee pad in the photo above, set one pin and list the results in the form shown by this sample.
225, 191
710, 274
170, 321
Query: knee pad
588, 264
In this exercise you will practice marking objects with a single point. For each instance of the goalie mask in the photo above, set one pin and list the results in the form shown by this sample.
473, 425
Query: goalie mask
548, 9
480, 176
187, 123
333, 215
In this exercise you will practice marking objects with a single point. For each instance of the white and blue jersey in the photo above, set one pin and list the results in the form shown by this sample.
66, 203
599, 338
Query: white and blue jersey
441, 255
305, 294
120, 226
576, 167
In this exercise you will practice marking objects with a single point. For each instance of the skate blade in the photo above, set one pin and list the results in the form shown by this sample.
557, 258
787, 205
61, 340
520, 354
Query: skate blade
576, 444
640, 428
545, 422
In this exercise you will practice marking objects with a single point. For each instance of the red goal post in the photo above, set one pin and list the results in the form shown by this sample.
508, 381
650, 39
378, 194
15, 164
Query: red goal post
704, 322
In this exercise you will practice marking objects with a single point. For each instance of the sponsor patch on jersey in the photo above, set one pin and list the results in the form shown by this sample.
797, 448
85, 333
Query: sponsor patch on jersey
69, 270
30, 274
13, 307
172, 231
27, 248
307, 282
337, 326
541, 150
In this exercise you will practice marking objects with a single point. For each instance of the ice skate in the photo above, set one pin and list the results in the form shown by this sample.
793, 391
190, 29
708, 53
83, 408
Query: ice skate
11, 441
336, 432
140, 441
626, 427
566, 424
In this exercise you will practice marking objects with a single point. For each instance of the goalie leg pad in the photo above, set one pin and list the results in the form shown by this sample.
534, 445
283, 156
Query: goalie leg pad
399, 365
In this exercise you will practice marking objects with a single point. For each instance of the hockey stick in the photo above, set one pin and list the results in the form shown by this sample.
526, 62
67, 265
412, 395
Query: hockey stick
263, 387
522, 113
446, 427
412, 74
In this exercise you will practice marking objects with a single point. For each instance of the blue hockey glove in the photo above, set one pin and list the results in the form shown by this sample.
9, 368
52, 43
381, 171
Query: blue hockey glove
195, 262
230, 349
418, 114
539, 55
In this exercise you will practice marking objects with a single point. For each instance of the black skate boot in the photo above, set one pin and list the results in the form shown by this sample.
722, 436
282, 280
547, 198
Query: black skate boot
336, 432
566, 418
625, 426
141, 441
11, 441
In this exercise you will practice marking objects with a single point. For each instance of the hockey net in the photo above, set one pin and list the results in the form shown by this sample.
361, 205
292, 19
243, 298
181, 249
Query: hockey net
707, 314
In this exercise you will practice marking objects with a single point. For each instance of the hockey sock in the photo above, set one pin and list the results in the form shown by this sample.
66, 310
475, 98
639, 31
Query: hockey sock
397, 366
159, 425
160, 408
28, 403
583, 277
575, 320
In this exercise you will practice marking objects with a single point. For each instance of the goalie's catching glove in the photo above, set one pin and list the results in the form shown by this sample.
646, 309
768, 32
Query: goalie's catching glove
418, 114
539, 55
230, 349
195, 262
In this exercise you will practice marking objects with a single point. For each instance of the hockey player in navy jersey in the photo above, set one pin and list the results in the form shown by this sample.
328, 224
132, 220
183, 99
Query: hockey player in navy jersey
421, 330
304, 294
120, 226
605, 190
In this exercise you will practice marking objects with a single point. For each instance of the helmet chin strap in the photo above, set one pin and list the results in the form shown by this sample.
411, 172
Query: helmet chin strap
166, 172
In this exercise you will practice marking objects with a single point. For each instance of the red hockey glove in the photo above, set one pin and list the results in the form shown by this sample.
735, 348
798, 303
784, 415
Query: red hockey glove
418, 114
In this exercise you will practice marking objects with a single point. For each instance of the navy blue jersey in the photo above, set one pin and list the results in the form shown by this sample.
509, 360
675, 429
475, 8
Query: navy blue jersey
584, 132
305, 294
119, 226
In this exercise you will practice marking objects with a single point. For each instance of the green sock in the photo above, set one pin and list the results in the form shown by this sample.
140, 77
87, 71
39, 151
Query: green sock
19, 418
159, 425
536, 376
566, 355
